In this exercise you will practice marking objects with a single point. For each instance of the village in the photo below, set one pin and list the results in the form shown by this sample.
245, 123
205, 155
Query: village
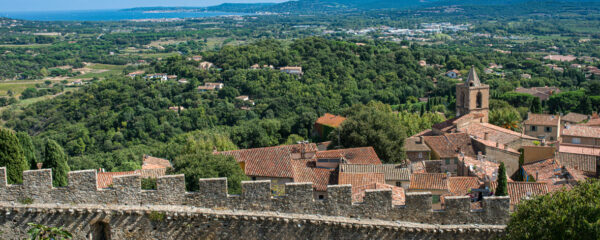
458, 157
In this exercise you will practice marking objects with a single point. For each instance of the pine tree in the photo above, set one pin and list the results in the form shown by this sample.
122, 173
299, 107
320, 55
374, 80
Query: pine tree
422, 109
28, 150
11, 156
585, 106
55, 158
536, 105
502, 189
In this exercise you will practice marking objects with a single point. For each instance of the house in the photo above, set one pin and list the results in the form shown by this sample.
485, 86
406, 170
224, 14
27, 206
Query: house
357, 180
243, 98
416, 149
561, 58
594, 121
553, 173
300, 163
496, 152
398, 193
518, 191
543, 93
526, 76
423, 63
206, 65
578, 134
136, 73
149, 162
573, 118
182, 81
481, 168
542, 126
292, 70
210, 86
176, 108
157, 76
255, 67
326, 124
171, 77
579, 157
394, 174
441, 185
453, 73
448, 148
197, 58
502, 136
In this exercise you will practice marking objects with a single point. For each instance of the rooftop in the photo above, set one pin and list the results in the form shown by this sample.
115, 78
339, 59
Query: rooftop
541, 119
494, 133
331, 120
574, 117
460, 186
360, 179
450, 145
521, 190
428, 181
398, 194
392, 172
360, 155
581, 131
415, 144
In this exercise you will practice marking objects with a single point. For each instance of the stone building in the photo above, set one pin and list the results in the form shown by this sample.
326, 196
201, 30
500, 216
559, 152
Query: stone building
416, 149
581, 135
543, 126
394, 174
448, 148
472, 96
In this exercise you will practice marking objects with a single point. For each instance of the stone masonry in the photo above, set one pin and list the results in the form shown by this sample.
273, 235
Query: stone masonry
128, 212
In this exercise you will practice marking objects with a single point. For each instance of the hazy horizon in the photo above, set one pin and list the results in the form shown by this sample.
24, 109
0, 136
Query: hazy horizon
73, 5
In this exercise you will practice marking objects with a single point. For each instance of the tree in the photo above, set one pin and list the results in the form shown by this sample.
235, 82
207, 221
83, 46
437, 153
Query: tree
572, 214
508, 118
208, 165
368, 126
585, 106
55, 158
28, 149
11, 156
502, 189
536, 105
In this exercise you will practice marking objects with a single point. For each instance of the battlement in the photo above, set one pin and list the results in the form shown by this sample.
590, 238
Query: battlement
256, 196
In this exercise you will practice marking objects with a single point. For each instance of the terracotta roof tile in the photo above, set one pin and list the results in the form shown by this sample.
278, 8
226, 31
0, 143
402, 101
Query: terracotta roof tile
105, 179
574, 117
268, 161
154, 162
581, 131
553, 174
362, 155
331, 120
494, 133
594, 122
460, 186
481, 169
414, 144
428, 181
578, 149
360, 179
305, 170
449, 145
585, 163
392, 172
398, 194
541, 119
521, 190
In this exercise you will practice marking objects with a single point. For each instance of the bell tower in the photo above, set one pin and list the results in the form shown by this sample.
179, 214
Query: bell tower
472, 96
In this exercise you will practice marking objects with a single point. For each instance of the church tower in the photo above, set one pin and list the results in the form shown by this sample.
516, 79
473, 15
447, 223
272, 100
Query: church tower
472, 96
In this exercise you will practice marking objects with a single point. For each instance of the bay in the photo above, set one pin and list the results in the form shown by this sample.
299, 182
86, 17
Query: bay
109, 15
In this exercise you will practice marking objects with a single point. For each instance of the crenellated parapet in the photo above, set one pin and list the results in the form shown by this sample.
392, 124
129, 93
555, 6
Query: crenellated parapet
256, 196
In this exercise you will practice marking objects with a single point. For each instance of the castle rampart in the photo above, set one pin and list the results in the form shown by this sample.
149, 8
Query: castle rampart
256, 198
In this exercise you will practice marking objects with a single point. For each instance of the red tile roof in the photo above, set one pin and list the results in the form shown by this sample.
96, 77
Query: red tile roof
574, 117
578, 149
361, 155
150, 162
398, 194
105, 179
521, 190
429, 181
331, 120
268, 161
460, 186
541, 119
360, 179
449, 145
481, 169
594, 122
581, 131
305, 171
494, 133
553, 174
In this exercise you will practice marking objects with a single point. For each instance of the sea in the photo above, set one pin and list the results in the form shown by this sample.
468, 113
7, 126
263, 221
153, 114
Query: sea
109, 15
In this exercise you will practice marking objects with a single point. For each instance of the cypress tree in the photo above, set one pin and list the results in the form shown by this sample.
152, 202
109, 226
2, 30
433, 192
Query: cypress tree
28, 150
55, 158
502, 189
536, 106
11, 156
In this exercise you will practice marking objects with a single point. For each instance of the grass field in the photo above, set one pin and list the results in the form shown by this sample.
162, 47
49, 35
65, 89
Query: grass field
24, 46
101, 71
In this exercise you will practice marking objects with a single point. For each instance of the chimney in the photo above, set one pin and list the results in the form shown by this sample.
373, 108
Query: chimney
485, 136
39, 165
536, 175
421, 140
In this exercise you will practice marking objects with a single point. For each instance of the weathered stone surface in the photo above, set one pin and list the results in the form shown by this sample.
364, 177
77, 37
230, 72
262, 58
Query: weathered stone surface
255, 197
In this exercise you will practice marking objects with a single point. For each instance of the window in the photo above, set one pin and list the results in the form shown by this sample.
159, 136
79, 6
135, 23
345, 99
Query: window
420, 155
551, 138
435, 199
447, 161
576, 140
548, 129
398, 184
455, 161
321, 197
533, 128
479, 100
253, 178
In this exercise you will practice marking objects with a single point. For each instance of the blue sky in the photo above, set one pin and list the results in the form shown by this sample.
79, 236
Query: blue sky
54, 5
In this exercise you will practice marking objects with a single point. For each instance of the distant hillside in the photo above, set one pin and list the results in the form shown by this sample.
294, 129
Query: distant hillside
226, 7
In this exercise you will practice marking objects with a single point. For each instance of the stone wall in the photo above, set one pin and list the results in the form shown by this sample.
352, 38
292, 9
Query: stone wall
256, 197
183, 222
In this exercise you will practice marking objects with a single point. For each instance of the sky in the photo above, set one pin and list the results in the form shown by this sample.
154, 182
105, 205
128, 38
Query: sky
58, 5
